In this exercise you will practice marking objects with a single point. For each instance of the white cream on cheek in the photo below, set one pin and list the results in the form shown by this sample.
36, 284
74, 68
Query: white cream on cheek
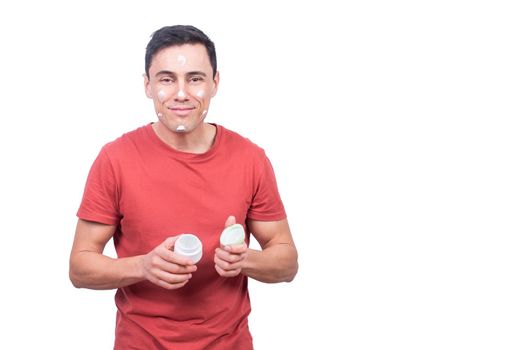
200, 93
161, 95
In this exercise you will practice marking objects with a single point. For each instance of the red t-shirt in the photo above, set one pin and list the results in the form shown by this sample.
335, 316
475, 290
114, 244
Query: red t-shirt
151, 192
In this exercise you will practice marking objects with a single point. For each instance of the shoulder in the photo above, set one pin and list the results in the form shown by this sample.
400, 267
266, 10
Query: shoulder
124, 144
237, 144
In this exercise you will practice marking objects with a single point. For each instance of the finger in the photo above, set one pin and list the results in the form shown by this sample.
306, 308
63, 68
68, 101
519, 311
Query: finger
236, 249
228, 257
166, 285
227, 265
165, 251
169, 243
230, 221
172, 278
171, 267
225, 273
174, 258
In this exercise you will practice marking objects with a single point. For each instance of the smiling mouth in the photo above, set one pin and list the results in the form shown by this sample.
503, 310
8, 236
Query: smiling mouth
181, 110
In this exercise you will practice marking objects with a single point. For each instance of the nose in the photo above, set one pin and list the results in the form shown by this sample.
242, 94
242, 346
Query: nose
181, 94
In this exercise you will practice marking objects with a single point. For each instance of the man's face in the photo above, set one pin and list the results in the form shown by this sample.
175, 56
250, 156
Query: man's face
181, 85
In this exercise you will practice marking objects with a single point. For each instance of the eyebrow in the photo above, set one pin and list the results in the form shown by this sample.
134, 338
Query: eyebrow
170, 73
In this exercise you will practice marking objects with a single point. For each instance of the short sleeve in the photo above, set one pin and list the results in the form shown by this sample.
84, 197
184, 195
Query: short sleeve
266, 204
100, 199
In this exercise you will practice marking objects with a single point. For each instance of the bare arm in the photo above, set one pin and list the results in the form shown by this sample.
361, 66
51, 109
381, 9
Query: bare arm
89, 268
276, 262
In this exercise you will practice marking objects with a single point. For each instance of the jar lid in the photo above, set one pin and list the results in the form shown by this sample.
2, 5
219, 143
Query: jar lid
233, 235
190, 246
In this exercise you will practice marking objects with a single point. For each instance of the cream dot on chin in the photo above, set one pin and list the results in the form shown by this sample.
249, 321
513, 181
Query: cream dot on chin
180, 128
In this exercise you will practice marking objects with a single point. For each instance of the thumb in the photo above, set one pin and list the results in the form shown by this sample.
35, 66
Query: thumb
169, 243
230, 221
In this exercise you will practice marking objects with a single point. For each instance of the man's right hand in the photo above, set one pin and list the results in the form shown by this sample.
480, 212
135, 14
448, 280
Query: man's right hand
164, 268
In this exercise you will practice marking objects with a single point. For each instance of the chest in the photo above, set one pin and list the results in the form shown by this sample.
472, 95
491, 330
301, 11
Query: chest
165, 197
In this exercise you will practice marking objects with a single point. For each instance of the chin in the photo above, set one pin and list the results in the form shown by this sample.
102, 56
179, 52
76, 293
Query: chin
181, 128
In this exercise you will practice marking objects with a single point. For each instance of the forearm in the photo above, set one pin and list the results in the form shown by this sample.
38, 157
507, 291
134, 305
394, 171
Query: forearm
93, 270
277, 263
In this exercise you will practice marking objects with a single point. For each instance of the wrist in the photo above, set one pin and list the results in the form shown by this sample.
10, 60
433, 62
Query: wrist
139, 270
247, 263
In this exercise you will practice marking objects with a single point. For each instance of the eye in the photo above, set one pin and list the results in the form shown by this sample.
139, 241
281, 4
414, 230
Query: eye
195, 80
166, 80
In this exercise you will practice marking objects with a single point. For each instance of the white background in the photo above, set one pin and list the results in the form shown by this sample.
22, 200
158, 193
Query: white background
395, 129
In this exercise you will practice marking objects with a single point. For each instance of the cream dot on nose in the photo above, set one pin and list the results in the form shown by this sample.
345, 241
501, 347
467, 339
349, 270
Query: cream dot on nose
181, 94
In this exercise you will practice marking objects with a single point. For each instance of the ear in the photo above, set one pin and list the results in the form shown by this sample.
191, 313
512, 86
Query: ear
147, 86
216, 80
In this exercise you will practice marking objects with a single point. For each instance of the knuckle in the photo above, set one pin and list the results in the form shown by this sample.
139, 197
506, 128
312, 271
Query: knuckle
174, 279
174, 268
161, 283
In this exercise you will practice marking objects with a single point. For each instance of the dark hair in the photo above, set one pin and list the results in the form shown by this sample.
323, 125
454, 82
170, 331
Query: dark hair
179, 35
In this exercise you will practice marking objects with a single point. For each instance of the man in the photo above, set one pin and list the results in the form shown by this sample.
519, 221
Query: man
180, 175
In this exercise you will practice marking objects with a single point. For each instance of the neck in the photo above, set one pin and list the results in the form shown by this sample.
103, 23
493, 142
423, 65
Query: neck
196, 141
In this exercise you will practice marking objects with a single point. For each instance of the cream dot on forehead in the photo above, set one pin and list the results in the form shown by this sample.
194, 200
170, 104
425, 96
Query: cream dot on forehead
181, 59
